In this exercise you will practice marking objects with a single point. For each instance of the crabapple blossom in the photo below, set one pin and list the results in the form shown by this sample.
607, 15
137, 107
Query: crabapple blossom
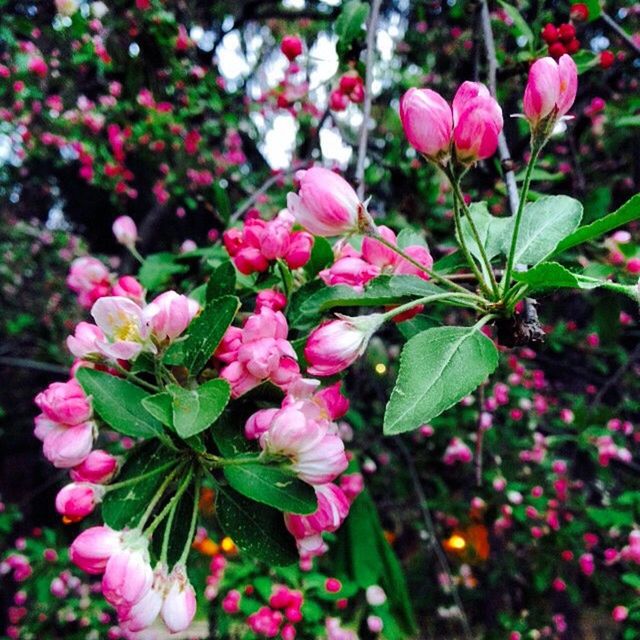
169, 315
125, 231
92, 549
78, 499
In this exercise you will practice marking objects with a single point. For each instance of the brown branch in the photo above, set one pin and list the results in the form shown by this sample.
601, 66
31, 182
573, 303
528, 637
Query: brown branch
614, 26
372, 27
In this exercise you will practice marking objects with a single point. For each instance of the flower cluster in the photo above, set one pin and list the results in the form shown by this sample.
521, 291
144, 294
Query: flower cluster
258, 244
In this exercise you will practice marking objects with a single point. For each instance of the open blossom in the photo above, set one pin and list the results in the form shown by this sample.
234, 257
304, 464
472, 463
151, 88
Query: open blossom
551, 89
337, 344
90, 279
125, 231
125, 328
169, 314
326, 204
258, 243
333, 507
92, 549
317, 454
65, 402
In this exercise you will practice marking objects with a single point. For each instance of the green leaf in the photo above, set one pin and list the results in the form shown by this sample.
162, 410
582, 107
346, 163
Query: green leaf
119, 403
438, 367
607, 518
255, 528
223, 204
194, 410
628, 121
594, 6
204, 334
628, 212
321, 257
222, 281
544, 224
158, 269
124, 507
159, 406
552, 275
272, 486
384, 290
350, 24
521, 25
494, 232
410, 237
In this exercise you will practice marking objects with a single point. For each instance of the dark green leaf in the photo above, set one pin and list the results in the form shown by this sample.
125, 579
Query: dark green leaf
272, 486
159, 406
158, 269
222, 281
438, 367
350, 24
119, 403
321, 257
255, 528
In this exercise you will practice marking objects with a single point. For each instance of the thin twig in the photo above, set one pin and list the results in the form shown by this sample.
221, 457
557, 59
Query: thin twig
615, 378
503, 147
372, 28
612, 24
479, 436
25, 363
428, 522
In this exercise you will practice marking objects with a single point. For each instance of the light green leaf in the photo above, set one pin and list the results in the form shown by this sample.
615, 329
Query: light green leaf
194, 410
438, 367
350, 24
545, 223
119, 403
159, 406
521, 25
494, 232
158, 269
627, 213
272, 486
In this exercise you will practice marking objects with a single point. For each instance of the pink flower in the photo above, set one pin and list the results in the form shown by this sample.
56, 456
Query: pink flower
551, 88
477, 123
427, 121
78, 499
299, 252
98, 467
421, 255
337, 344
350, 271
144, 612
587, 565
128, 575
377, 254
128, 287
37, 66
291, 46
90, 279
333, 507
64, 446
82, 343
457, 451
179, 605
125, 231
231, 602
124, 326
65, 402
317, 455
620, 613
92, 549
325, 204
271, 299
170, 314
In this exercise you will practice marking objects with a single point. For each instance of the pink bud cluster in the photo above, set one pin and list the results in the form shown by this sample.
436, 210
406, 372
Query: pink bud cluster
469, 128
138, 593
355, 268
350, 89
258, 243
258, 351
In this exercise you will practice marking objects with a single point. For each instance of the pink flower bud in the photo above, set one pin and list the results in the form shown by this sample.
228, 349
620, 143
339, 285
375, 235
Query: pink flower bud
98, 467
92, 548
351, 271
170, 314
299, 252
376, 595
291, 46
82, 343
65, 447
375, 253
620, 613
477, 127
551, 88
325, 204
337, 344
427, 121
375, 624
65, 402
128, 575
144, 612
77, 500
179, 605
271, 299
128, 287
125, 231
231, 602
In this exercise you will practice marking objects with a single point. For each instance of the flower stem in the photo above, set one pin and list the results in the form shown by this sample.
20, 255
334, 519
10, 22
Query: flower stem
414, 303
159, 493
144, 476
217, 462
506, 279
192, 527
134, 378
172, 502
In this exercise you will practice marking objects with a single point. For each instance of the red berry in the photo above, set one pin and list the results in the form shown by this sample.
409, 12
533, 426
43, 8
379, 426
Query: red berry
607, 58
573, 46
579, 12
550, 33
567, 32
557, 50
291, 46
